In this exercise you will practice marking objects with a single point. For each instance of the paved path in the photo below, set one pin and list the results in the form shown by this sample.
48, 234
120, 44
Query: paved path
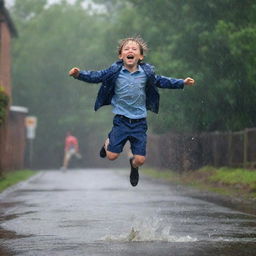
96, 212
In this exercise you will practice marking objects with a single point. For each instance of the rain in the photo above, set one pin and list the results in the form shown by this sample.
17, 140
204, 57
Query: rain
79, 202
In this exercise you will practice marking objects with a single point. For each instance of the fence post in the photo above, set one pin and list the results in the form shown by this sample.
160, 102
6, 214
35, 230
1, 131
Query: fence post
214, 147
230, 153
245, 148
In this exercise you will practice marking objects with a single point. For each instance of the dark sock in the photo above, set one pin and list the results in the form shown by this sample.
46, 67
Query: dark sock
134, 175
103, 152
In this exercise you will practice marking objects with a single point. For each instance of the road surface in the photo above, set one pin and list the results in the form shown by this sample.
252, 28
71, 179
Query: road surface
96, 212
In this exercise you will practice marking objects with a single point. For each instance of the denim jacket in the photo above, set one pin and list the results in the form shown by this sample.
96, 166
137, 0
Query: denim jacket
108, 79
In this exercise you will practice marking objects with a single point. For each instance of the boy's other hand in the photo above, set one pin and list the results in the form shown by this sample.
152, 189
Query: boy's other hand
74, 72
189, 81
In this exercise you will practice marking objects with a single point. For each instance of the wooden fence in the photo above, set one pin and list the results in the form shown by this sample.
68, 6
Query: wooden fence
182, 152
12, 140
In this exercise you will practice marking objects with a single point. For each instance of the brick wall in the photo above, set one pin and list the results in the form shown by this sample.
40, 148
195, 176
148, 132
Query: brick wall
5, 58
12, 132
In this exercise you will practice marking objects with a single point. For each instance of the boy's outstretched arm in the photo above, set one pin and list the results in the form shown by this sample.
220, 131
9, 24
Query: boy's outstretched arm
173, 83
189, 81
74, 72
88, 76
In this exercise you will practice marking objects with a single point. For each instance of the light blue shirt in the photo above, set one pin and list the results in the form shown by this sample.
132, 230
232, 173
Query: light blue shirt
130, 98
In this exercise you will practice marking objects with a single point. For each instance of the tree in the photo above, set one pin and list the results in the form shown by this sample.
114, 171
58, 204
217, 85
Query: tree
211, 41
46, 49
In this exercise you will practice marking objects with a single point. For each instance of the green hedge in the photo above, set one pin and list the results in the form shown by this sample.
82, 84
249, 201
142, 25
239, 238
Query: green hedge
4, 101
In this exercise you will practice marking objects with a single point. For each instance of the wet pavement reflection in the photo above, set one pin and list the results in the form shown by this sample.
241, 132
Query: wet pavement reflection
97, 212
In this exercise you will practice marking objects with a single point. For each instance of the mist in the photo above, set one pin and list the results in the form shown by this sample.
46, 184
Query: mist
213, 42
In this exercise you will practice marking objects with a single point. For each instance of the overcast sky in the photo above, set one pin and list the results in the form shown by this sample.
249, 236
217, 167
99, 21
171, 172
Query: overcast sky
86, 3
9, 3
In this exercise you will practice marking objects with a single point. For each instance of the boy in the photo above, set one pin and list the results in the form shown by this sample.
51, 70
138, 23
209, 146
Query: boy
130, 86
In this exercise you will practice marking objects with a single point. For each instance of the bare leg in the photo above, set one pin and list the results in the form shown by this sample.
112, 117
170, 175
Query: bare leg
66, 161
110, 155
138, 160
129, 153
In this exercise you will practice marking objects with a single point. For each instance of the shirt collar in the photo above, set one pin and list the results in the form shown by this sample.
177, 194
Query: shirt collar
138, 70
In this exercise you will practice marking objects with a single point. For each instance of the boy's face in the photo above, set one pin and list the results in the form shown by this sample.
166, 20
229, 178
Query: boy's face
130, 54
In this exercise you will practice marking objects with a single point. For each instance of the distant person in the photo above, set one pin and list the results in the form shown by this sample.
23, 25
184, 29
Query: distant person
71, 149
130, 86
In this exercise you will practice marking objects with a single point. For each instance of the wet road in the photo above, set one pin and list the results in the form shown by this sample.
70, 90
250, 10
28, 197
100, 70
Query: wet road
96, 212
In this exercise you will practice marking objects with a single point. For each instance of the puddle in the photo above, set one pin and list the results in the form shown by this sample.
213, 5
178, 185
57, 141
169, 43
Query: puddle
14, 216
149, 230
9, 204
6, 234
4, 252
8, 217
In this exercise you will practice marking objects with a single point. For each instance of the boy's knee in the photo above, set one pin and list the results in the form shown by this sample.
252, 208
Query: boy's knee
112, 156
139, 160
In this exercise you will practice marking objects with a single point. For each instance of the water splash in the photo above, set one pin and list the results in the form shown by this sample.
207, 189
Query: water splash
149, 230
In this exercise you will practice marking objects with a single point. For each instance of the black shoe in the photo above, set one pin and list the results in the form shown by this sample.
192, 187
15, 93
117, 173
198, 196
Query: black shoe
134, 175
103, 152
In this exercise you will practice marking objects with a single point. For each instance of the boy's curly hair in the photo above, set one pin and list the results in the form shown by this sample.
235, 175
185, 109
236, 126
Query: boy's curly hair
142, 44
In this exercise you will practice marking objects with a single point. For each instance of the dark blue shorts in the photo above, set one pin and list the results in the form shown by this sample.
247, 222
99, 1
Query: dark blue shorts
131, 130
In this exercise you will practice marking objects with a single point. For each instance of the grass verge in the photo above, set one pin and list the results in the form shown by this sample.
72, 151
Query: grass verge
10, 178
225, 181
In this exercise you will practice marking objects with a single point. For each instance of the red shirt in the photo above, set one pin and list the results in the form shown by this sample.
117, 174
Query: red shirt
71, 142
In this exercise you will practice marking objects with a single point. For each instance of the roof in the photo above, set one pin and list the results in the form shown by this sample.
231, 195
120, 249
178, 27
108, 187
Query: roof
7, 19
19, 109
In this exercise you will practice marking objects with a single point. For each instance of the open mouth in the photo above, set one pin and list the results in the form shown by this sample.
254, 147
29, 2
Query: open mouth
130, 57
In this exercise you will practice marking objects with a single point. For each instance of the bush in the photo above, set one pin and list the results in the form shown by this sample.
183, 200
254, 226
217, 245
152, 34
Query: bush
4, 101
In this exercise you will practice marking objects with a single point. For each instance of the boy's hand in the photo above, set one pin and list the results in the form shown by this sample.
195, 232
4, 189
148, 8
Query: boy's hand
189, 81
74, 72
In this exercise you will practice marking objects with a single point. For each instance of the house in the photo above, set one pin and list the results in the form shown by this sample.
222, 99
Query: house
12, 132
7, 31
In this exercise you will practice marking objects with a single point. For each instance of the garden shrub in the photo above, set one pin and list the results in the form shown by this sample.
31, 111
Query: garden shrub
4, 101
